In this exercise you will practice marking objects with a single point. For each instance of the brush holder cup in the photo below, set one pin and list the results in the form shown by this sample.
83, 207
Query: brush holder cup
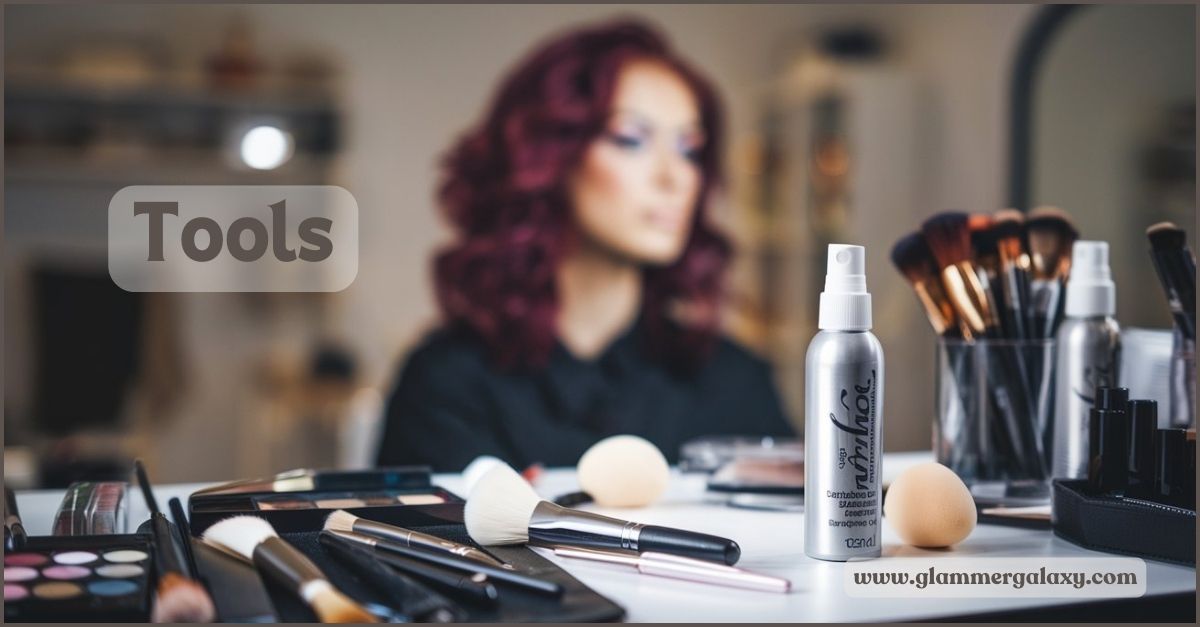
1183, 381
994, 428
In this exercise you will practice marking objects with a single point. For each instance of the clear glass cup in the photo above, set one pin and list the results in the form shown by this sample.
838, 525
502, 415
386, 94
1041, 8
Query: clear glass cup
994, 428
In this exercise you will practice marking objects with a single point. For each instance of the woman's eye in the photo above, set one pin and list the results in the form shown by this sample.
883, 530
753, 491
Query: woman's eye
691, 150
622, 140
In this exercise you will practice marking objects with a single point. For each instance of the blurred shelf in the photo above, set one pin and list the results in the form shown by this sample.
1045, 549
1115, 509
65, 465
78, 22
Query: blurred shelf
283, 98
58, 166
53, 118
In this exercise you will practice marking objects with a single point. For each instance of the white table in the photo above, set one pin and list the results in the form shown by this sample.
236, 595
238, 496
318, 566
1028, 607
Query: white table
772, 542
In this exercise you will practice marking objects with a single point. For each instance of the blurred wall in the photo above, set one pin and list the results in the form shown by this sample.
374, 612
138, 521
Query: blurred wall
416, 76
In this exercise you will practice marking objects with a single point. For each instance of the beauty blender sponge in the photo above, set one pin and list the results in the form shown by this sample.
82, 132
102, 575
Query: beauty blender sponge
929, 506
623, 471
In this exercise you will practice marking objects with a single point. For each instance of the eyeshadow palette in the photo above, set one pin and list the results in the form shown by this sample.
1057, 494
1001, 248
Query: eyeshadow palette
79, 578
299, 500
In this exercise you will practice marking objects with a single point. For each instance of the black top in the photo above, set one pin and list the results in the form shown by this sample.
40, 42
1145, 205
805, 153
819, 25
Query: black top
451, 405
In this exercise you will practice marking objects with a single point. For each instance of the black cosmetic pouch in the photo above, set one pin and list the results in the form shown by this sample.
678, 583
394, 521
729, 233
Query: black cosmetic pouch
242, 596
1126, 526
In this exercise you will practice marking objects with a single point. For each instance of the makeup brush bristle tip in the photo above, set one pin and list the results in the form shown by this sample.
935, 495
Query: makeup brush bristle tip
1166, 235
239, 534
340, 520
499, 506
182, 600
332, 606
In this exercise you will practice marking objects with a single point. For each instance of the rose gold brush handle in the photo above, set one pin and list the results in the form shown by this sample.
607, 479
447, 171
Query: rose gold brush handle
676, 567
654, 564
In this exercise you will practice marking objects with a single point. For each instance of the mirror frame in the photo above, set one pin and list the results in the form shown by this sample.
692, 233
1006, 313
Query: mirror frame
1031, 51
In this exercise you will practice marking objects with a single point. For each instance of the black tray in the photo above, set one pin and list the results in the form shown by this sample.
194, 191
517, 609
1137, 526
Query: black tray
1121, 525
241, 596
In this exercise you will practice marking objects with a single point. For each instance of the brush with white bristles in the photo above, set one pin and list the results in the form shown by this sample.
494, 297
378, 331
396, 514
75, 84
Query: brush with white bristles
254, 540
503, 509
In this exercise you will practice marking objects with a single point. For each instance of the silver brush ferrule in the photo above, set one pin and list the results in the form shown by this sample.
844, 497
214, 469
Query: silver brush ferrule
552, 524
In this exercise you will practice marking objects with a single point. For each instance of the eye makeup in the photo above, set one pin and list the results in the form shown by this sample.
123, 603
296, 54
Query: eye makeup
75, 557
79, 579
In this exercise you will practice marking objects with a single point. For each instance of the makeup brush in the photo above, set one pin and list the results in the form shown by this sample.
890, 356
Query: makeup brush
503, 509
14, 536
185, 534
456, 563
675, 567
179, 598
986, 257
949, 238
254, 540
1049, 237
412, 601
342, 520
912, 257
1014, 270
467, 587
1176, 267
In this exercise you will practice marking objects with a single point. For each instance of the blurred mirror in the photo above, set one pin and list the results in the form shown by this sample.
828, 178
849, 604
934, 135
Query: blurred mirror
1113, 135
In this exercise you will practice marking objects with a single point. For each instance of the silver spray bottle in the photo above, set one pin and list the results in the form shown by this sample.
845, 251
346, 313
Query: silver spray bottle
1088, 353
843, 437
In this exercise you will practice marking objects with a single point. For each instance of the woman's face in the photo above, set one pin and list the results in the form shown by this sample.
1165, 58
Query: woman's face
636, 190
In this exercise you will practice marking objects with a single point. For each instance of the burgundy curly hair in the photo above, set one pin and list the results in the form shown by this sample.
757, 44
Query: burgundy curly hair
504, 193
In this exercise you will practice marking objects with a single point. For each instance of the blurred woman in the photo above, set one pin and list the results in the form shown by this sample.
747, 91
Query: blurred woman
582, 295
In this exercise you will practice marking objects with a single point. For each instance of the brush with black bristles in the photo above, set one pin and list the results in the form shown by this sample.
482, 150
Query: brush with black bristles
912, 257
254, 540
179, 598
1176, 267
1014, 270
1049, 237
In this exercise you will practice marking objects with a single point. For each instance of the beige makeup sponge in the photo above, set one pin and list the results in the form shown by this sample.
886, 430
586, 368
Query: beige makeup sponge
929, 506
623, 471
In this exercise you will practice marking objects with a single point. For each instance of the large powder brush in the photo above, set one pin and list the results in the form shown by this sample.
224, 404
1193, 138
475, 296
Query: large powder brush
254, 540
503, 509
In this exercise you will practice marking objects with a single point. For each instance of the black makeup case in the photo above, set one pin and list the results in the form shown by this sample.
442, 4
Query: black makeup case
1121, 525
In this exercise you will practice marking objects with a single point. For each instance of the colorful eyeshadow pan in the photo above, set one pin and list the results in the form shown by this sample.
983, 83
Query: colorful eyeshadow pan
19, 573
112, 588
25, 559
66, 572
125, 556
57, 590
74, 558
14, 592
120, 571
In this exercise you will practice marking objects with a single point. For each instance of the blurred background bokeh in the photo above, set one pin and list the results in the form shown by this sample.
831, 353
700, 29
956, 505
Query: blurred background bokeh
848, 123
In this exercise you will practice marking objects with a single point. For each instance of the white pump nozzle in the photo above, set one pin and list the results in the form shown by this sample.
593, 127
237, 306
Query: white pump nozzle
1090, 288
845, 303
